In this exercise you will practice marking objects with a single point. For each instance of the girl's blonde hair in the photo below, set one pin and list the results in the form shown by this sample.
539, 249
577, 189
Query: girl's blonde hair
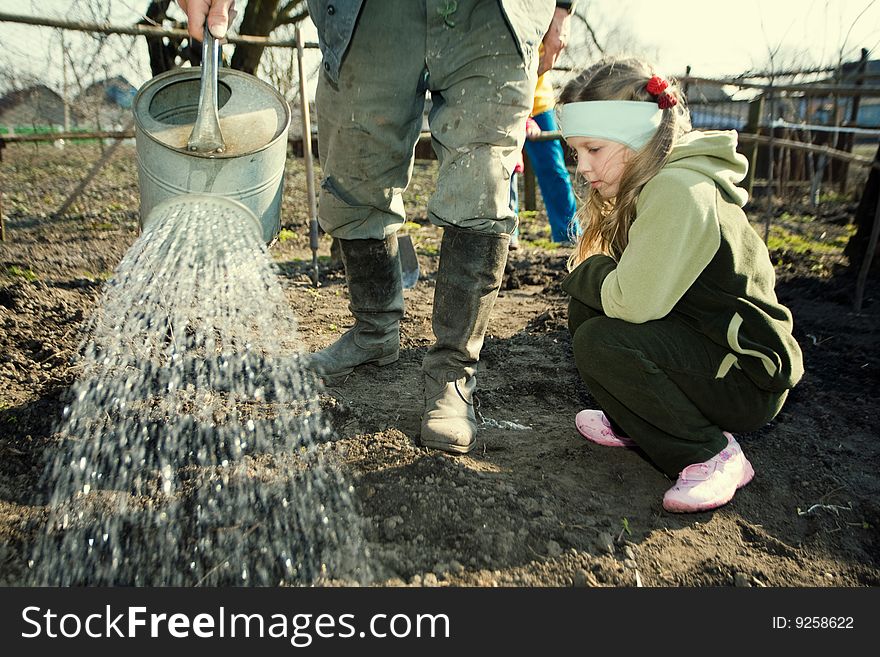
605, 222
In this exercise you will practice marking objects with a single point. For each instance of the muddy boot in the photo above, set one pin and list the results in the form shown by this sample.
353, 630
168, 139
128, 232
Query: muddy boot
471, 268
372, 270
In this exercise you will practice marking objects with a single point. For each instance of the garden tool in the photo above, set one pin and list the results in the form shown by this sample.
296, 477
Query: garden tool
409, 264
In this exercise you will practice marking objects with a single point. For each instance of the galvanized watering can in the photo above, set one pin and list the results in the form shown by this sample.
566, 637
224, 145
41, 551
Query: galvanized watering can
249, 167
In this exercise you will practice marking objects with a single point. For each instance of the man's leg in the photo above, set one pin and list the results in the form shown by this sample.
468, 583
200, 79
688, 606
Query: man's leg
482, 95
369, 123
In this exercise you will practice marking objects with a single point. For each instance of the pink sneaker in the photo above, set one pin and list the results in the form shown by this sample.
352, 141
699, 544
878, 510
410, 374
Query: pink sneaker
594, 426
708, 485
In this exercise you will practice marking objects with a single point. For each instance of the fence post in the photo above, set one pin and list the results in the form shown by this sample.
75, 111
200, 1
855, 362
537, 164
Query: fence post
307, 155
753, 125
771, 163
853, 118
862, 277
530, 199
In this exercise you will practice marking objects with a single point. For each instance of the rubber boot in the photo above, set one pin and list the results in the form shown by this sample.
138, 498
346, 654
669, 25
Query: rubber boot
372, 270
470, 273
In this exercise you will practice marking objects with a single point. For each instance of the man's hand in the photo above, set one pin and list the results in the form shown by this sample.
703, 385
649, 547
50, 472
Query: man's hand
218, 13
555, 40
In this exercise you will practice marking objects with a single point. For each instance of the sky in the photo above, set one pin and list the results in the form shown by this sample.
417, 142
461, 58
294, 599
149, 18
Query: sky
725, 38
715, 38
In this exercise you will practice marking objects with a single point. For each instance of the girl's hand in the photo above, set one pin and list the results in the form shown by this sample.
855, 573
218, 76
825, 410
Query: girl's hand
532, 128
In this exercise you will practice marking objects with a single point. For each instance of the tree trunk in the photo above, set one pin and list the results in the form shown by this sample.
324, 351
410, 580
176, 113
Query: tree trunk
259, 20
167, 52
857, 246
161, 53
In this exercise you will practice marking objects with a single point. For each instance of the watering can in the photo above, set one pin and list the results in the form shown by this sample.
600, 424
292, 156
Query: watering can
201, 130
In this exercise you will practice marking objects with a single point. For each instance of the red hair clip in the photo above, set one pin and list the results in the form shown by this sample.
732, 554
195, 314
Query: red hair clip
665, 101
657, 87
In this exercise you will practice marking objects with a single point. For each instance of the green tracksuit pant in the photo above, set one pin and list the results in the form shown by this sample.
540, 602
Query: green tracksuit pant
657, 384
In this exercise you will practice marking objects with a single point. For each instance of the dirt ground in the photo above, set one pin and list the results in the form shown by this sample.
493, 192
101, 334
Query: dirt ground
534, 504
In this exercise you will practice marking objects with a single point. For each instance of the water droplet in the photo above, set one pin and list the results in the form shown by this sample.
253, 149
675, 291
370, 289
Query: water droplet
164, 409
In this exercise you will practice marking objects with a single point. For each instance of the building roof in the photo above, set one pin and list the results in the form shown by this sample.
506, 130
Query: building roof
113, 91
34, 105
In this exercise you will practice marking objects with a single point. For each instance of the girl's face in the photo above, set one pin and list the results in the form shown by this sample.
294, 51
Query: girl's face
600, 163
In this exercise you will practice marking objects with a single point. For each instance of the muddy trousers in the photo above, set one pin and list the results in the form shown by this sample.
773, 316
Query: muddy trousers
657, 384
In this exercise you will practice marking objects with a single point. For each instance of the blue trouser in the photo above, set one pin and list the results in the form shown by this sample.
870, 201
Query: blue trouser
548, 163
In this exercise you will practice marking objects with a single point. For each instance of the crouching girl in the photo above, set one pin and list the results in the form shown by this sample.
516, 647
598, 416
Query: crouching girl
675, 324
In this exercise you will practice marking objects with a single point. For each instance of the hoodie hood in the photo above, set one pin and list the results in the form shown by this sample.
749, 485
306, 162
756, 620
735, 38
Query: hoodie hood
713, 154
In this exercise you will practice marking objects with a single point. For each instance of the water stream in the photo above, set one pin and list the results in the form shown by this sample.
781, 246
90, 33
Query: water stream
193, 451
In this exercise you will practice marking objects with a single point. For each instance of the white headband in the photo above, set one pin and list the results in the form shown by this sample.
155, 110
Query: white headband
628, 122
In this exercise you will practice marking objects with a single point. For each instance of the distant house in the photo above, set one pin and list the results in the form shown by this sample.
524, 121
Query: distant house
30, 109
106, 104
868, 115
869, 106
711, 107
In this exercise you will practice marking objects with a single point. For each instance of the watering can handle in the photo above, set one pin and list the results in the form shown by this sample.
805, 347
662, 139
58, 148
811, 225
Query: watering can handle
206, 137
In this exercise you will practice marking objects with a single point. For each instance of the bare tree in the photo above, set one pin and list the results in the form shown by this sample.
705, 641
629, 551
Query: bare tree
260, 18
167, 52
87, 62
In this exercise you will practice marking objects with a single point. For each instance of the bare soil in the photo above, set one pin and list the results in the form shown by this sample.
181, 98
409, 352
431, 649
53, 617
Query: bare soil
534, 504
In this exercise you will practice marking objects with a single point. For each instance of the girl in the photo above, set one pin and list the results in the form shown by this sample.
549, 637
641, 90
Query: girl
676, 328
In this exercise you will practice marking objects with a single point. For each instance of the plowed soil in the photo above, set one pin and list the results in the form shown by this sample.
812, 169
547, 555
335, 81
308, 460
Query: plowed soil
534, 504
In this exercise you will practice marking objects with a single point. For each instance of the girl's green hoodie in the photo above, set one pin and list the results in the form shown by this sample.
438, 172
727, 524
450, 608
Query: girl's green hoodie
693, 254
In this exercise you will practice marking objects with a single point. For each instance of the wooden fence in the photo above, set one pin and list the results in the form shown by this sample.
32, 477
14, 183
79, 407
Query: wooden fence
792, 132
